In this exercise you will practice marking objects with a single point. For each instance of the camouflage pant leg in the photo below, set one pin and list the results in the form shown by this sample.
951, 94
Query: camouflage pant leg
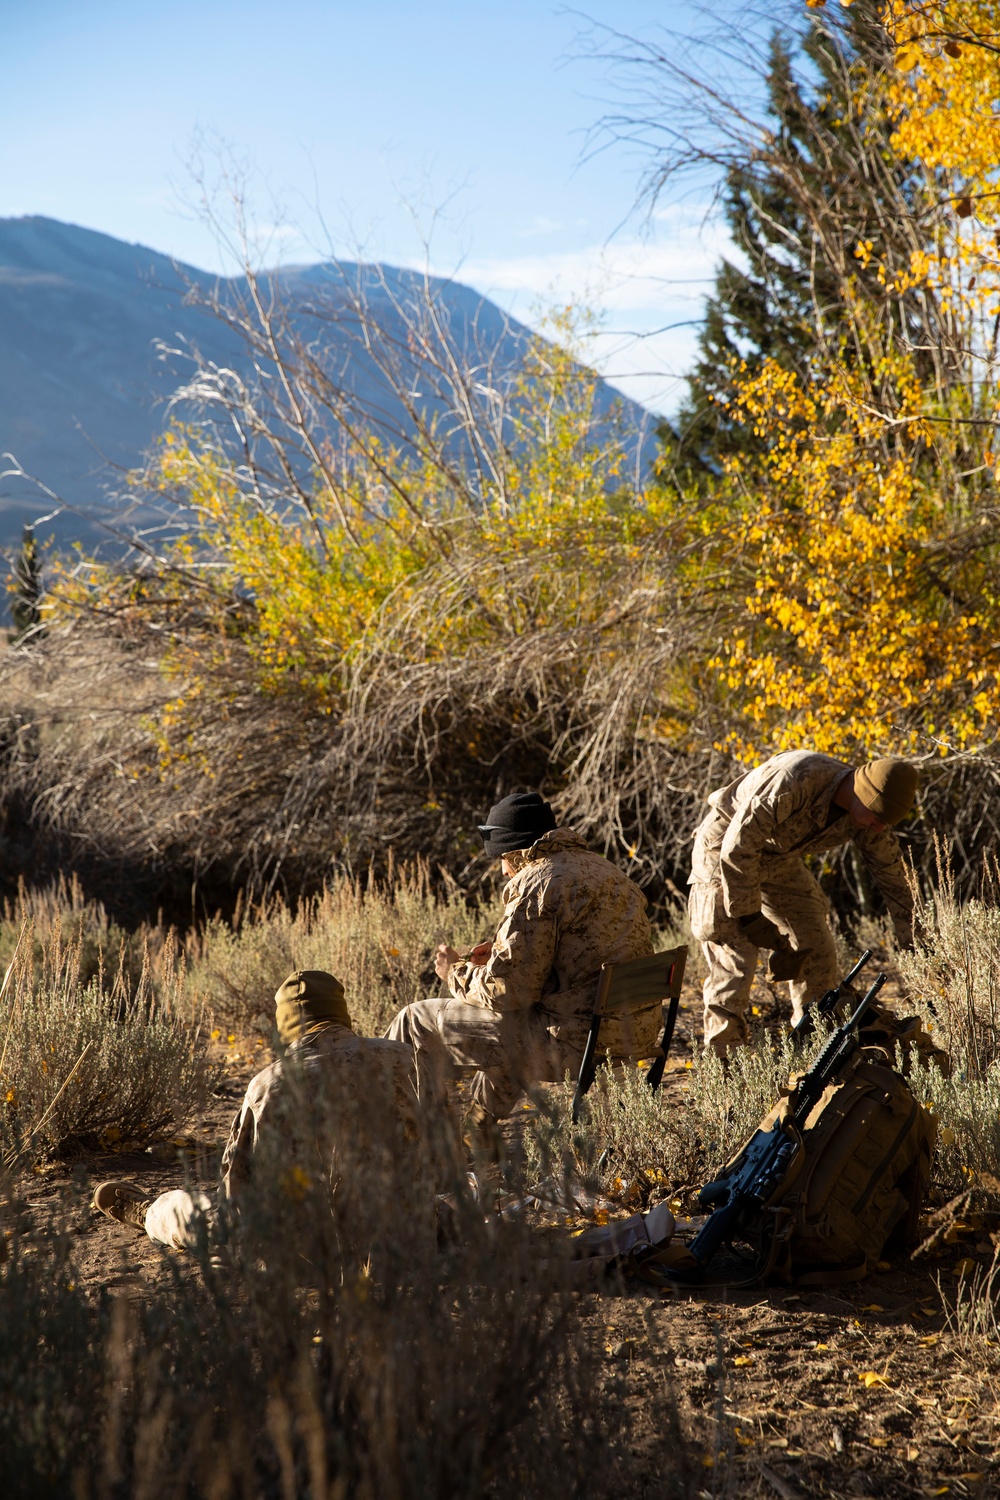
179, 1219
731, 960
792, 899
508, 1052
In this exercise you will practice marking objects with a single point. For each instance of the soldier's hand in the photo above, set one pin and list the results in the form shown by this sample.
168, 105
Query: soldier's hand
444, 958
761, 931
480, 954
787, 963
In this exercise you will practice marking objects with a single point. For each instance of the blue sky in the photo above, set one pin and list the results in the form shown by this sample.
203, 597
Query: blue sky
466, 122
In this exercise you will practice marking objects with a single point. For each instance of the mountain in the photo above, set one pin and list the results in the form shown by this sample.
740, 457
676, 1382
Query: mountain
83, 387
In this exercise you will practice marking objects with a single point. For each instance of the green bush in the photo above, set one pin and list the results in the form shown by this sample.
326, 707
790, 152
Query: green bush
92, 1062
652, 1146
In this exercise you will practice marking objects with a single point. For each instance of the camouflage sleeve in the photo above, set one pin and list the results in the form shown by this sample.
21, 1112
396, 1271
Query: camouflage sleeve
237, 1159
739, 858
884, 862
523, 956
459, 976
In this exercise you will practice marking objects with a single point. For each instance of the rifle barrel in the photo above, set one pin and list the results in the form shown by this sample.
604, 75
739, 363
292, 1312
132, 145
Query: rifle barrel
848, 978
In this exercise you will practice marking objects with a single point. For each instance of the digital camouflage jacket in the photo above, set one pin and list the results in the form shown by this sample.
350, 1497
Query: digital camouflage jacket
772, 816
567, 910
334, 1077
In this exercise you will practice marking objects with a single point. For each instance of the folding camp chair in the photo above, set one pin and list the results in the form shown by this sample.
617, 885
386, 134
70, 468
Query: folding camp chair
624, 989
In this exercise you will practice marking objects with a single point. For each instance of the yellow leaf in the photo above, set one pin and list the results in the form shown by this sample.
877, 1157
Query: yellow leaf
743, 1359
965, 1267
872, 1307
871, 1377
880, 1442
907, 58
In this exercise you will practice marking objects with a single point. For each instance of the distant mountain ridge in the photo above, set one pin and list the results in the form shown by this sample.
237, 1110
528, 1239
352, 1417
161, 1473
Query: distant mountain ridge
82, 386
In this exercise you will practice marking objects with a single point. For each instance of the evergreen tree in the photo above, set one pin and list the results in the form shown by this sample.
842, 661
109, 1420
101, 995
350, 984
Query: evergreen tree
27, 591
820, 181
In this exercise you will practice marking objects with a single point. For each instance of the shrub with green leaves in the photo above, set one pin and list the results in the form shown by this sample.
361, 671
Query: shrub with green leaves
664, 1143
93, 1062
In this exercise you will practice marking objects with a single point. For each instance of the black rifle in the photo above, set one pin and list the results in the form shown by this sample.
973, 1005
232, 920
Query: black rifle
740, 1197
829, 1004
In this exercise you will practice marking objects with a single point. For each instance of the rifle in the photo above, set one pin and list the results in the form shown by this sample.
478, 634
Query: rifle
767, 1157
829, 1004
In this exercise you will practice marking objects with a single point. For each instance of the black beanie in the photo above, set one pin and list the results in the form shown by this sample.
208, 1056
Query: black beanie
515, 823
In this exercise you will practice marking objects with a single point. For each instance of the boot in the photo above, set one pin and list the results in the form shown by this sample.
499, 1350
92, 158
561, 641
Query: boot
124, 1202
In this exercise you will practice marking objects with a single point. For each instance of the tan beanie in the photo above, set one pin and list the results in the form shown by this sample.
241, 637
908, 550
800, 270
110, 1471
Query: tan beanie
887, 788
308, 1001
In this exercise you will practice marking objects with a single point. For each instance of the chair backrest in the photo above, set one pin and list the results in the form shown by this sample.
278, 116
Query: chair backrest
641, 982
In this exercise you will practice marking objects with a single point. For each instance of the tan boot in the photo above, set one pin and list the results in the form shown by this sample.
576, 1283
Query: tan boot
124, 1202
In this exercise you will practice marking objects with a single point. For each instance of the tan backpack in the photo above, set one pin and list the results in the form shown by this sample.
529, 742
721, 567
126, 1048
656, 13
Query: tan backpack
855, 1190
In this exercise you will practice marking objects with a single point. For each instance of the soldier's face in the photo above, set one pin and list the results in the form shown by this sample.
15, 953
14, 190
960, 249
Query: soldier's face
862, 816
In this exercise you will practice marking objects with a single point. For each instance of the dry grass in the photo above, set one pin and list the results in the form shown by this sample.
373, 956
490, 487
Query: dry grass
333, 1344
88, 1060
379, 939
336, 1342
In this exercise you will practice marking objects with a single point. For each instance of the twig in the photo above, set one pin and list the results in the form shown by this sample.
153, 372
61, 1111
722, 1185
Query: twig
785, 1490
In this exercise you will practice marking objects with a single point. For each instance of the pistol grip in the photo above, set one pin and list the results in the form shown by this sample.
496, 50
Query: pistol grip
715, 1194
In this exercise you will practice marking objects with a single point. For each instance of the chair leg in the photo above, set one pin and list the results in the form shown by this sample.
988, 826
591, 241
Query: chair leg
588, 1067
655, 1075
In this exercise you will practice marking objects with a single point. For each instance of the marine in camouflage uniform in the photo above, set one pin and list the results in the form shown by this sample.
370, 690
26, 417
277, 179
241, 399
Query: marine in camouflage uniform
330, 1063
750, 888
520, 1007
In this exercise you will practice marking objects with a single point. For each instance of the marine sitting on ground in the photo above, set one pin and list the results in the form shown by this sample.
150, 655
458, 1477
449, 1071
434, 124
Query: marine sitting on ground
350, 1072
520, 1006
750, 889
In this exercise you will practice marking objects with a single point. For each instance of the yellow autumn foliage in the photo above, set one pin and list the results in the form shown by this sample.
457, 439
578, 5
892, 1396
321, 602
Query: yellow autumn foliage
859, 631
845, 568
302, 589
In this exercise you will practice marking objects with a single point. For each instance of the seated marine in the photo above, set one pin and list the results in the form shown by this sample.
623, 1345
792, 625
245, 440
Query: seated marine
520, 1006
332, 1064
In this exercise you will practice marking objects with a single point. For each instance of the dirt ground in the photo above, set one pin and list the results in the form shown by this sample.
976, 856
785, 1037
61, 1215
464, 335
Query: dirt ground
858, 1391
